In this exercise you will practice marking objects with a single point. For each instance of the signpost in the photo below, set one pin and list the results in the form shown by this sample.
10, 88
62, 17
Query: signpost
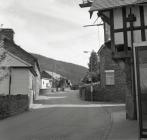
140, 67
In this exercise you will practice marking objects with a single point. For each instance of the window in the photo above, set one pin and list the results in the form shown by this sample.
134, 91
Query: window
109, 77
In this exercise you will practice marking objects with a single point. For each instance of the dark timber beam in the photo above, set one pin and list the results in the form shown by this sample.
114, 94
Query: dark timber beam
125, 30
104, 17
129, 29
85, 4
142, 23
112, 31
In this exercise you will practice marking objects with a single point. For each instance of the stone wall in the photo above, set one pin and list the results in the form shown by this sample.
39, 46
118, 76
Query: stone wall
101, 94
45, 91
13, 104
118, 90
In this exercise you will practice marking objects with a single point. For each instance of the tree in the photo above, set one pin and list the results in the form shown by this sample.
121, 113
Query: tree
93, 62
93, 74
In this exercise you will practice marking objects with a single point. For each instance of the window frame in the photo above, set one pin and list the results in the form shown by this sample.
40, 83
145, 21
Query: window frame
109, 77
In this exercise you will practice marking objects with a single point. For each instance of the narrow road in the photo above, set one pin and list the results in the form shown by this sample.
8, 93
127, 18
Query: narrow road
59, 116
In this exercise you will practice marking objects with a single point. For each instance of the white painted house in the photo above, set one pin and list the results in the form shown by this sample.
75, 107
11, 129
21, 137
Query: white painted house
46, 83
47, 78
19, 70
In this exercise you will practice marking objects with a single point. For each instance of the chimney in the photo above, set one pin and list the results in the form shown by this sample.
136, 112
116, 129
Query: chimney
7, 33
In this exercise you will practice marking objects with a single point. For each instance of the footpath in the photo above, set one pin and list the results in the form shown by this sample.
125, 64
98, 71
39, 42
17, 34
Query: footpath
121, 128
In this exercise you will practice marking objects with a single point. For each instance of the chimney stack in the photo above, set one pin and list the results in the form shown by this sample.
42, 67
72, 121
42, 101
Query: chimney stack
7, 33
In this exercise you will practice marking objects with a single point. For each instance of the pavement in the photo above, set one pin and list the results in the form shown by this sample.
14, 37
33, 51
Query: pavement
63, 116
122, 129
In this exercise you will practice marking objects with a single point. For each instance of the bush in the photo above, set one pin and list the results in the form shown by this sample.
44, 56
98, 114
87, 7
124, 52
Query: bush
91, 77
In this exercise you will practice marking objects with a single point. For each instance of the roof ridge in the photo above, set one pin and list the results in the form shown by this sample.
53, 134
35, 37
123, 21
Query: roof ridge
98, 5
18, 51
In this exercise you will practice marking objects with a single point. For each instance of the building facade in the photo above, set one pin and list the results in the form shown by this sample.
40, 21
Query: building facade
19, 70
112, 77
46, 80
125, 23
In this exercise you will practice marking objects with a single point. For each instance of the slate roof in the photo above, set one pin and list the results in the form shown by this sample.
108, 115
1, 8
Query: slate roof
44, 74
16, 50
141, 1
53, 74
98, 5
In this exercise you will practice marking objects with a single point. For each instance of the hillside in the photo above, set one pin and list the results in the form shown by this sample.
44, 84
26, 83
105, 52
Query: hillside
71, 71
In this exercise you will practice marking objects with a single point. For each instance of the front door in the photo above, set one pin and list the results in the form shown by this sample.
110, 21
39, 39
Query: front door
140, 59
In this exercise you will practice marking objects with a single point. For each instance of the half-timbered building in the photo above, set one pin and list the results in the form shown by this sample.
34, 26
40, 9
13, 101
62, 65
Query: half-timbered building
125, 23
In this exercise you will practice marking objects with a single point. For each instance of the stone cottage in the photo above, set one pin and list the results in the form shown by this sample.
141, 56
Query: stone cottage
19, 70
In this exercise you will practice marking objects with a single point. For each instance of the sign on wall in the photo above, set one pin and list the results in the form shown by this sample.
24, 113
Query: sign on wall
110, 77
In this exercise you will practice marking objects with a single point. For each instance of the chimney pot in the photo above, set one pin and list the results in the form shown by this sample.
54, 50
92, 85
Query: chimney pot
7, 33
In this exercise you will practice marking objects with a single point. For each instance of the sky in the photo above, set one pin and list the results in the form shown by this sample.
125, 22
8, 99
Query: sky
53, 28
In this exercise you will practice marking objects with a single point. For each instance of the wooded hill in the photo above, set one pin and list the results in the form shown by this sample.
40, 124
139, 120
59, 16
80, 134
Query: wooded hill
72, 71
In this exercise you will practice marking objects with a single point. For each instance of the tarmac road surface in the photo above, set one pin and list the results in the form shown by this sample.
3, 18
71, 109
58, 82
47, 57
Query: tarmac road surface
59, 116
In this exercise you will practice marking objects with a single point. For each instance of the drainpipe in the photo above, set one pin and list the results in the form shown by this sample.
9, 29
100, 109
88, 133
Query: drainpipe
132, 64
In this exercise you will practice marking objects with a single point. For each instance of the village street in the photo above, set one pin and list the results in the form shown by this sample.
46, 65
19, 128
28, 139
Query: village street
60, 116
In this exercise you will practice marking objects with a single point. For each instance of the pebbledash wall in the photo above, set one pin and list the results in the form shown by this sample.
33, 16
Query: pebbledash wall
21, 79
112, 78
17, 65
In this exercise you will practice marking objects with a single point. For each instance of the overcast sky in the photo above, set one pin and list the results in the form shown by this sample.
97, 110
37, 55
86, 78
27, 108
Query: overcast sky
52, 28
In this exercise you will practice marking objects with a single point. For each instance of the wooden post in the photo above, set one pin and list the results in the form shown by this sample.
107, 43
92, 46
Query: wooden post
10, 79
130, 97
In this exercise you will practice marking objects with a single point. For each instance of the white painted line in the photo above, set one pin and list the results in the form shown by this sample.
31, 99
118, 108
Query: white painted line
39, 106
